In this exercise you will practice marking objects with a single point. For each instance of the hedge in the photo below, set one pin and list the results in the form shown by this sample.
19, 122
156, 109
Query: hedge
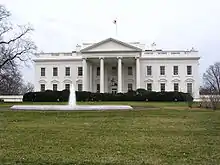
138, 95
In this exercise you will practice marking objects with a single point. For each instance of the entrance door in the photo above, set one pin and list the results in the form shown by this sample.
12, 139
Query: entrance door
114, 90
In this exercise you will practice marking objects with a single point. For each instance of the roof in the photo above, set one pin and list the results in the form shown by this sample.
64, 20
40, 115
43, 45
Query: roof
111, 39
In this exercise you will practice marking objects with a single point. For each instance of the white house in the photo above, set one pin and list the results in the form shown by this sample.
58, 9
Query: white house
115, 66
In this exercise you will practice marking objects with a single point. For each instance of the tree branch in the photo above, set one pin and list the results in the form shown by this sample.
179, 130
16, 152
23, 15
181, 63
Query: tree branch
12, 58
18, 37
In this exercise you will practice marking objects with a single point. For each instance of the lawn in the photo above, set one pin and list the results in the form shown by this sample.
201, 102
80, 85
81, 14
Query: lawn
142, 136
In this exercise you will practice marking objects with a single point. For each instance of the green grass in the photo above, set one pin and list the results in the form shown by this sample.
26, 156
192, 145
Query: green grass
151, 137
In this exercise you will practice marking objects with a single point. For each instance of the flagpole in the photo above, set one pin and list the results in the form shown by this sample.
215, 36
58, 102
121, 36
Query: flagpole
116, 28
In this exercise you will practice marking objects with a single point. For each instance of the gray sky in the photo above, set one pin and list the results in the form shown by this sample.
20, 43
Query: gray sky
173, 24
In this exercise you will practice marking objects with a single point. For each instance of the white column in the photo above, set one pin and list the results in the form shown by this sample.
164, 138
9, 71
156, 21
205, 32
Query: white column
85, 75
102, 75
90, 69
119, 75
137, 73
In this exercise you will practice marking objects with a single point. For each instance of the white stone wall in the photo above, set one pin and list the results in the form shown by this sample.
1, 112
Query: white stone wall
61, 79
128, 55
169, 79
182, 78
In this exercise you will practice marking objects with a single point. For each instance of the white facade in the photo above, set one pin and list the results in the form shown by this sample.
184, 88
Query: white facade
115, 66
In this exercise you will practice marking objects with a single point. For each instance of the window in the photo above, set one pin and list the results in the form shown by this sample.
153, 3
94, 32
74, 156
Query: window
176, 87
130, 71
189, 88
98, 71
98, 88
54, 87
162, 70
79, 87
55, 71
114, 71
175, 70
149, 70
42, 87
162, 87
67, 70
42, 71
149, 86
130, 87
80, 71
67, 86
189, 70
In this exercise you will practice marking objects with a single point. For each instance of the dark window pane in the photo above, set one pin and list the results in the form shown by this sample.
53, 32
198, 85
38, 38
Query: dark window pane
175, 70
114, 71
162, 87
80, 71
149, 70
42, 71
54, 87
67, 71
79, 87
98, 88
130, 71
189, 70
130, 87
176, 87
98, 71
55, 71
67, 86
162, 70
42, 87
149, 86
189, 88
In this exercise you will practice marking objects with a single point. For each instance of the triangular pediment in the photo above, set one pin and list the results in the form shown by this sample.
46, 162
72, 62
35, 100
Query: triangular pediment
110, 45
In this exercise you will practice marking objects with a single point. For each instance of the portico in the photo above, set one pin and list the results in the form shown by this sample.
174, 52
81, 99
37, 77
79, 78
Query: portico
108, 74
112, 58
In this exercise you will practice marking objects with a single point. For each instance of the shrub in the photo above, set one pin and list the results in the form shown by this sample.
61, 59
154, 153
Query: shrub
139, 95
64, 95
1, 100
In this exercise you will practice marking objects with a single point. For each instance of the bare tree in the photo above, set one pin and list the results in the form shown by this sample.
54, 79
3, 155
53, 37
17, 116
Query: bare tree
211, 78
29, 87
204, 90
212, 86
15, 42
215, 101
15, 46
10, 80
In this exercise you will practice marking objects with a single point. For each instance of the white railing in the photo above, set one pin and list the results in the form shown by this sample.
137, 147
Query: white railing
11, 98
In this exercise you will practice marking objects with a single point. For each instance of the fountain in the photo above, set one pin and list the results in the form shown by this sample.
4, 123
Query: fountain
72, 97
71, 105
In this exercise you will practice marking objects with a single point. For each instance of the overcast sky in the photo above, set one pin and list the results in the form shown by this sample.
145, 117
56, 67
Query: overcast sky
173, 24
